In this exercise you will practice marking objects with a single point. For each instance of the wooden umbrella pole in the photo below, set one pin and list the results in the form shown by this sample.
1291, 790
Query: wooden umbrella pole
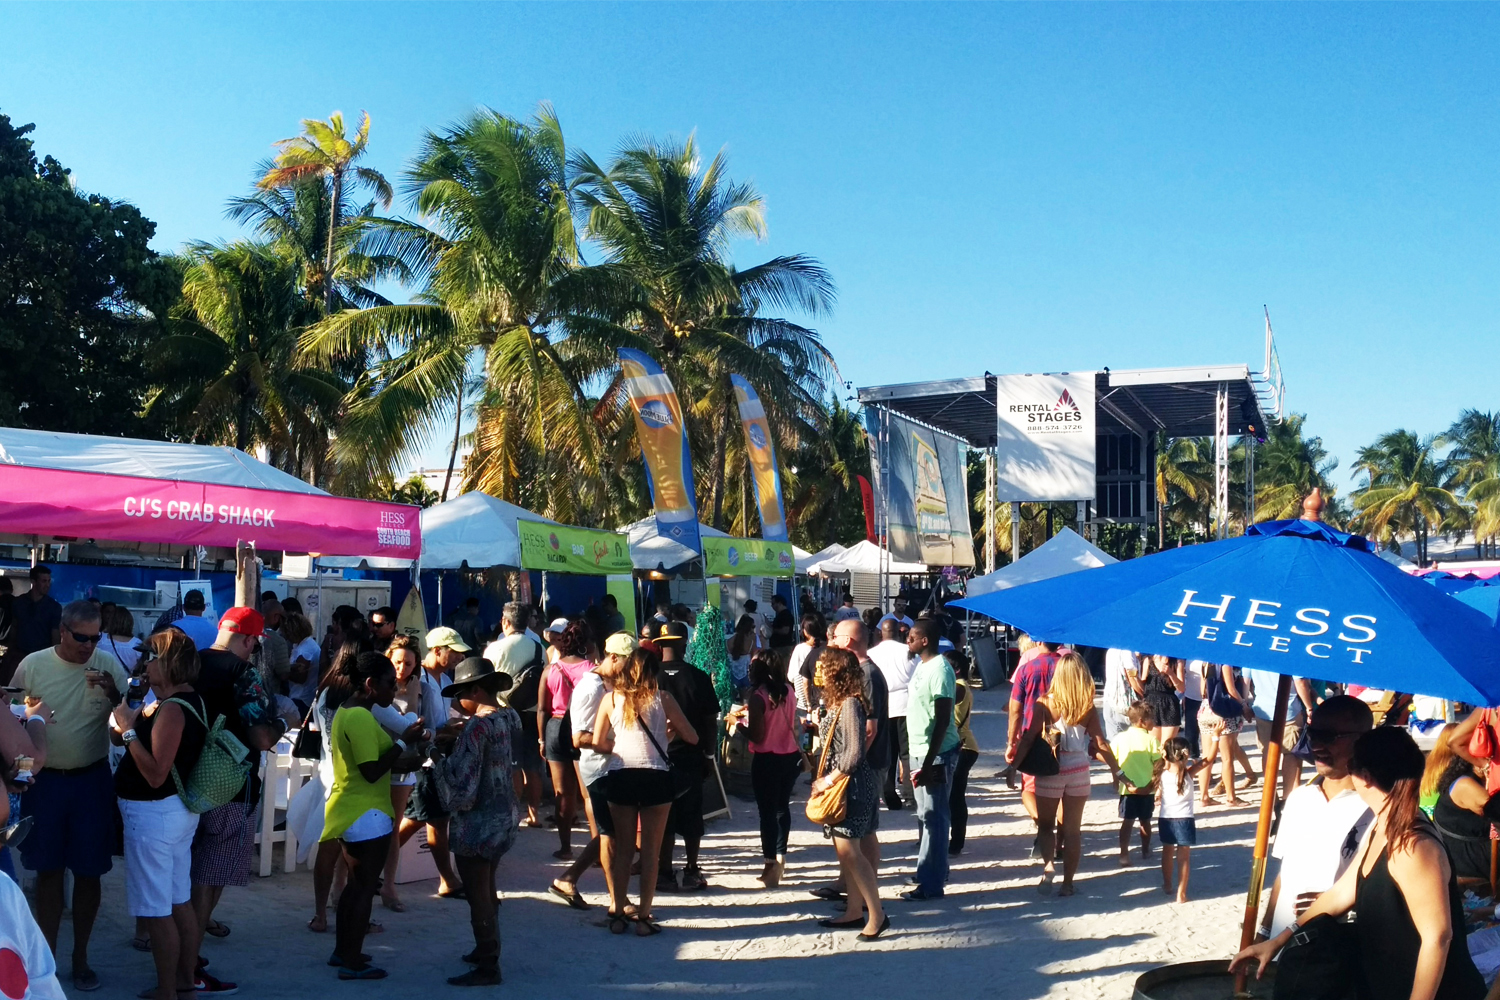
1263, 828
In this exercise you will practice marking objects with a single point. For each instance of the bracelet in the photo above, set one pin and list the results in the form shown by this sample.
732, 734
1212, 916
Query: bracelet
401, 744
128, 737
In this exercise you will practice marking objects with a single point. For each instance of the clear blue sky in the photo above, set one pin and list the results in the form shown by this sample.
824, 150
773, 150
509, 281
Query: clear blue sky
1011, 188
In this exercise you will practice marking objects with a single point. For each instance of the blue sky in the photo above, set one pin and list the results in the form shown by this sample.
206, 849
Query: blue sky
1001, 187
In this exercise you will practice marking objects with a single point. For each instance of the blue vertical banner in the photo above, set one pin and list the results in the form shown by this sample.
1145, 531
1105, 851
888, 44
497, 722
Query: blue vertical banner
762, 452
664, 447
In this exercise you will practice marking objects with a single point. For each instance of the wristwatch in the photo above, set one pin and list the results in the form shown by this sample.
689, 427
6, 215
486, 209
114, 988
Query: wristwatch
128, 737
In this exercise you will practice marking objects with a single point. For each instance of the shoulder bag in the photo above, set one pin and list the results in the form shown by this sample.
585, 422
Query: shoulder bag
1321, 962
1223, 704
1040, 759
1482, 741
682, 779
827, 806
309, 745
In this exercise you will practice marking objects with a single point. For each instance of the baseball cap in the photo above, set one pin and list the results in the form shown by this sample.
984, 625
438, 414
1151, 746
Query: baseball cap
193, 599
445, 636
673, 632
558, 625
620, 644
245, 621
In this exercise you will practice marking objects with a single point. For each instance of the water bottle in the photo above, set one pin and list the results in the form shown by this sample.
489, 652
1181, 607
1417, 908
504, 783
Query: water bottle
135, 692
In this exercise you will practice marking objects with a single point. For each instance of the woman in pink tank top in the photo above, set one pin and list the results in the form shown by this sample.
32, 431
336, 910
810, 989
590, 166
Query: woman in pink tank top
775, 758
556, 691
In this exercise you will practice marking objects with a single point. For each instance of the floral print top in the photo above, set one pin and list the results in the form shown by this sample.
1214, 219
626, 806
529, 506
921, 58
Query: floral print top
476, 777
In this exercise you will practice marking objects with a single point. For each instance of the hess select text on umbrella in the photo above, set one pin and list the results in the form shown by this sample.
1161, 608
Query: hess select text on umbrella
1253, 619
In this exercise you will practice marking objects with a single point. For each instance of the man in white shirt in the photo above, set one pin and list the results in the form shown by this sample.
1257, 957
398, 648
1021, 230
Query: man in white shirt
898, 615
895, 663
1323, 822
762, 629
847, 611
27, 969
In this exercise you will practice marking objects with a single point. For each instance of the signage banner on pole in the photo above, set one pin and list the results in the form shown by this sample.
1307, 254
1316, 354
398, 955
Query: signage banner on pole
1045, 447
664, 447
747, 557
564, 549
928, 504
762, 452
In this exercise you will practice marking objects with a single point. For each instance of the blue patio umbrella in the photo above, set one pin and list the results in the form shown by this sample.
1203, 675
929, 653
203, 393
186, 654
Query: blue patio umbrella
1293, 597
1484, 599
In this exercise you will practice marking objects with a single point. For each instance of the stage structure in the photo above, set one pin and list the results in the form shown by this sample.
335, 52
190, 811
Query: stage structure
1086, 437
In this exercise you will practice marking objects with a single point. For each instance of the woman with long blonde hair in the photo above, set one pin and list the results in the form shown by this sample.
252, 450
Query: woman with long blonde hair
635, 722
1066, 719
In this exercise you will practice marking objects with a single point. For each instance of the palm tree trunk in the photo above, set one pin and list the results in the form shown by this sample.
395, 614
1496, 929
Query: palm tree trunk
333, 226
721, 435
458, 424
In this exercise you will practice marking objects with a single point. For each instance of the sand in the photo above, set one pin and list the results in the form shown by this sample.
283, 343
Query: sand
993, 935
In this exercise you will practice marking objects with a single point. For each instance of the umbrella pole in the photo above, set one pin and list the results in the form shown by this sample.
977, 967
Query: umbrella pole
1263, 827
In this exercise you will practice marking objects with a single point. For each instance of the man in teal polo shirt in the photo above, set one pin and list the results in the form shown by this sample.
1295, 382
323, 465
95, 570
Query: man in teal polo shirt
933, 740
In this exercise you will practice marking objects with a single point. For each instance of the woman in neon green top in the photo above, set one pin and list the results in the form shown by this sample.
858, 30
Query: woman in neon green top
358, 813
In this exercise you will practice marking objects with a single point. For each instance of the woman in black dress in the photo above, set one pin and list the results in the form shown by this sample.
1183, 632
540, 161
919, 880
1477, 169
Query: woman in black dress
1161, 676
1459, 818
1410, 926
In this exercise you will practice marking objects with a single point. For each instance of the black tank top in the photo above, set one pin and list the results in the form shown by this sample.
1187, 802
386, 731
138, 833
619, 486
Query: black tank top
1465, 834
131, 784
1388, 940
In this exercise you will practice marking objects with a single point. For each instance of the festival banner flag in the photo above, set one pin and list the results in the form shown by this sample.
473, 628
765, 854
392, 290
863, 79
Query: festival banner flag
664, 446
762, 453
748, 557
564, 549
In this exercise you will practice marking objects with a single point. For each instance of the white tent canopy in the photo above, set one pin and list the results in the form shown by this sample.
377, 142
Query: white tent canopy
191, 463
649, 550
801, 555
1396, 560
863, 557
807, 566
1065, 552
473, 528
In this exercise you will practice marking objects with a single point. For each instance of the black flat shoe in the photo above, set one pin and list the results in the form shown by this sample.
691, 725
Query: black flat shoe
843, 925
885, 925
476, 977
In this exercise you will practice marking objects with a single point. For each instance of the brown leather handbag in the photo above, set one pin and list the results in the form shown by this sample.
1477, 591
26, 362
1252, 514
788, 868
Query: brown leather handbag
827, 807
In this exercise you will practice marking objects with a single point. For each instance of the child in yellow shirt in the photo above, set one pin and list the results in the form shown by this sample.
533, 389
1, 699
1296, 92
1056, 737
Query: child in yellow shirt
1140, 757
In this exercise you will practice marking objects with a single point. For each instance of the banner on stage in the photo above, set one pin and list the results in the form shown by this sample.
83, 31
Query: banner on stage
928, 503
762, 452
664, 447
1045, 446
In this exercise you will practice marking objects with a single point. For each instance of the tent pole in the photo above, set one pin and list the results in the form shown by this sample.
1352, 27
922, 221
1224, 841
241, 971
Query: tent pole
1015, 530
1269, 782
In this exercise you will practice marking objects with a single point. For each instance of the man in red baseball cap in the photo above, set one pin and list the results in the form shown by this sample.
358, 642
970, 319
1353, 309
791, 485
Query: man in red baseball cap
231, 686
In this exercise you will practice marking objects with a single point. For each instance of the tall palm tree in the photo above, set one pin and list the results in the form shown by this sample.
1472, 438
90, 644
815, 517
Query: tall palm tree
504, 303
1288, 466
1473, 466
1184, 483
824, 504
665, 222
228, 373
1402, 490
325, 151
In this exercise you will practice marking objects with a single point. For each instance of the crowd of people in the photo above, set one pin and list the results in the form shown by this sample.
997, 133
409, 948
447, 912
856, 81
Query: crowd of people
147, 749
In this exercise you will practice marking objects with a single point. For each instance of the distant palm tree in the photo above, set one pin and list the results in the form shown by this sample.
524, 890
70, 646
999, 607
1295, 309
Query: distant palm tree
1184, 483
1287, 468
665, 221
228, 373
1473, 466
824, 504
1402, 490
325, 151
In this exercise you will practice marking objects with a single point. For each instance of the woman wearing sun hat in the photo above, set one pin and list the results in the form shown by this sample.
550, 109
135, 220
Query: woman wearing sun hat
476, 775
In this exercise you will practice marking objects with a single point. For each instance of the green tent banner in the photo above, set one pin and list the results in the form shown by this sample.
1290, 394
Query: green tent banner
564, 549
747, 557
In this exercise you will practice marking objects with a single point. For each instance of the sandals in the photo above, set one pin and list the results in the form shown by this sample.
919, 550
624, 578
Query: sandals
645, 927
393, 904
617, 923
368, 972
826, 892
458, 893
323, 921
141, 944
573, 899
217, 929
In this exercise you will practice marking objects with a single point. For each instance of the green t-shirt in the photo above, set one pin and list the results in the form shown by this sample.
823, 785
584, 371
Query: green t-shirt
929, 681
356, 739
1137, 752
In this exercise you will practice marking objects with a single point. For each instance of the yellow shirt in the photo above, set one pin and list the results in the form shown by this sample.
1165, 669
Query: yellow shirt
1137, 752
356, 739
963, 705
79, 733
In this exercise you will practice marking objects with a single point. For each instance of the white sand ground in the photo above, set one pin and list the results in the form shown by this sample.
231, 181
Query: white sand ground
992, 936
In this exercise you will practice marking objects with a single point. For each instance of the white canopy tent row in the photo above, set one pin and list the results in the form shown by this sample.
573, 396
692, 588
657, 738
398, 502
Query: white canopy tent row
861, 565
1065, 552
473, 529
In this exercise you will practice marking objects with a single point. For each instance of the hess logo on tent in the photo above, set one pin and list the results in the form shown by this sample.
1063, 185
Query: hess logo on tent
757, 435
655, 413
1320, 633
1065, 402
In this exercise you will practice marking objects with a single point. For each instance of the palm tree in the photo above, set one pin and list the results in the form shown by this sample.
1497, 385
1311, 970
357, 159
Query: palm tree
1287, 468
1184, 483
1402, 491
504, 304
824, 504
228, 373
665, 221
324, 151
1473, 466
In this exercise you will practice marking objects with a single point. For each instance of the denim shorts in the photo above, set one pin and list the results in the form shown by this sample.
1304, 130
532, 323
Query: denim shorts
1177, 832
75, 816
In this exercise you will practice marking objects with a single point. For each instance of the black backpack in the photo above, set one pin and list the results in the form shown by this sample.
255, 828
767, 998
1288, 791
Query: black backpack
523, 694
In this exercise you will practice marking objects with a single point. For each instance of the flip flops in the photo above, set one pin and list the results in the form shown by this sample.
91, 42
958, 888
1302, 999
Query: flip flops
573, 899
217, 929
368, 972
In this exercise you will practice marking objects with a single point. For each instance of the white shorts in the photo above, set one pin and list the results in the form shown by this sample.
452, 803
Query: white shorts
372, 824
158, 855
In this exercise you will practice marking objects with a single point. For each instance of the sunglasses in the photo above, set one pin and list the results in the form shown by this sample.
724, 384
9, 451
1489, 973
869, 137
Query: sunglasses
1318, 735
85, 639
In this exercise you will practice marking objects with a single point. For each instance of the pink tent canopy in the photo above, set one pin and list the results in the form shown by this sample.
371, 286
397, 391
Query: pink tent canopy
77, 502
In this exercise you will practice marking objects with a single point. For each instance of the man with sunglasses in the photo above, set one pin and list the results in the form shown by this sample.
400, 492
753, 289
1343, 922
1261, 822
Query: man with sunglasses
71, 801
1323, 821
